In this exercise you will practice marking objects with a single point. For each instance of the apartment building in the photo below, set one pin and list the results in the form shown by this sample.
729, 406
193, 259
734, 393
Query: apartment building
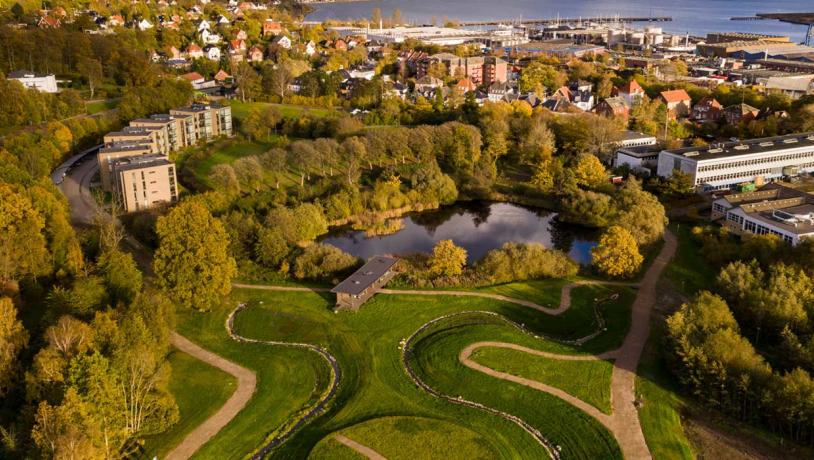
208, 120
142, 182
772, 210
722, 166
482, 70
113, 152
180, 130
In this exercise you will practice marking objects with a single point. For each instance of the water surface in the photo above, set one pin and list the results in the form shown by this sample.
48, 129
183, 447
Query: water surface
696, 17
477, 227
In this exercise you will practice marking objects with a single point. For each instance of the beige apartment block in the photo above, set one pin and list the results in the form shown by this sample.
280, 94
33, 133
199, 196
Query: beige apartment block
144, 182
114, 152
209, 120
180, 129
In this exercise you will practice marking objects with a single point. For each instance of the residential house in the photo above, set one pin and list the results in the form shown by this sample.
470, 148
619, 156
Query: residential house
237, 46
282, 41
115, 20
631, 92
194, 78
427, 83
271, 28
466, 85
222, 76
204, 25
144, 25
194, 51
708, 110
678, 102
738, 113
49, 22
255, 54
310, 48
340, 45
501, 91
616, 106
241, 35
212, 52
223, 21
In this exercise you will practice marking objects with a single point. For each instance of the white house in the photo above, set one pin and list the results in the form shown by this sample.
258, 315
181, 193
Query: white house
40, 82
212, 53
210, 38
203, 25
144, 25
282, 41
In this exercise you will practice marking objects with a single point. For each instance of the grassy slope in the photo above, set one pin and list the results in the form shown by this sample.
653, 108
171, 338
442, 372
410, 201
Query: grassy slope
282, 387
426, 438
375, 385
99, 106
587, 380
199, 390
655, 387
243, 109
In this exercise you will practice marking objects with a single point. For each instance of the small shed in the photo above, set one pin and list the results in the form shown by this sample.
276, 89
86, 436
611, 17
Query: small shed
364, 283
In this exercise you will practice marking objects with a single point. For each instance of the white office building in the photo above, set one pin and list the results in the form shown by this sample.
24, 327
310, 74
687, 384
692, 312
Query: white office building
40, 82
773, 210
722, 166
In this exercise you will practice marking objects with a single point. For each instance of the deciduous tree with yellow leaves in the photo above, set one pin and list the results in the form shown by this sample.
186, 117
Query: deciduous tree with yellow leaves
617, 254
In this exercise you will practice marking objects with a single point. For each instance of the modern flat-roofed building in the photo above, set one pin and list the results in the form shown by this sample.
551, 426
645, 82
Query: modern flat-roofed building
142, 182
209, 120
180, 129
359, 287
772, 210
113, 152
31, 80
722, 166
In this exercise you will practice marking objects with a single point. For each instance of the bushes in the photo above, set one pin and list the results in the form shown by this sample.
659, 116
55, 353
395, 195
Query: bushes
520, 262
323, 262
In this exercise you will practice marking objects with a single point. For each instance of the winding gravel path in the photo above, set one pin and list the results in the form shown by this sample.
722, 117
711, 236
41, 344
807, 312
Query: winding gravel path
360, 448
624, 421
246, 385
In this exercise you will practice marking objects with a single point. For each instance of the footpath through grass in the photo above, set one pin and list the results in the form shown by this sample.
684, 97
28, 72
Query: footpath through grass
199, 390
587, 380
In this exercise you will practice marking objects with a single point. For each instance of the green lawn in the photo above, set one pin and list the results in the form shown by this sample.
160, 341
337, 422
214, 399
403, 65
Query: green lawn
199, 390
688, 271
243, 109
408, 438
587, 380
288, 379
100, 106
374, 384
200, 160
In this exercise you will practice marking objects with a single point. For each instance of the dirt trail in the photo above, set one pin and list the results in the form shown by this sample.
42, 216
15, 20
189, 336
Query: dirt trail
624, 421
246, 384
360, 448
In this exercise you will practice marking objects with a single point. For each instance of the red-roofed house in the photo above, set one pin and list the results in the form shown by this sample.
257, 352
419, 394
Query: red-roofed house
341, 45
272, 28
193, 77
237, 46
221, 76
115, 20
678, 102
631, 92
466, 85
708, 110
48, 22
194, 51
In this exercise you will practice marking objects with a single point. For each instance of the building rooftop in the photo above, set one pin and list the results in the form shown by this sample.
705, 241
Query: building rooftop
118, 147
140, 162
752, 146
26, 74
641, 151
364, 277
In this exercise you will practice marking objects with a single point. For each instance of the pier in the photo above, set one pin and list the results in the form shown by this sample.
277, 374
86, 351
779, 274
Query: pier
554, 21
803, 19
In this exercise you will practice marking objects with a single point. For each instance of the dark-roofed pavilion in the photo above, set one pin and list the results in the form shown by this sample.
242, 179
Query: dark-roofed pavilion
364, 282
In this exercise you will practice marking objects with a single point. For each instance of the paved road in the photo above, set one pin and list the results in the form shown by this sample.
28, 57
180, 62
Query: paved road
360, 448
76, 187
246, 385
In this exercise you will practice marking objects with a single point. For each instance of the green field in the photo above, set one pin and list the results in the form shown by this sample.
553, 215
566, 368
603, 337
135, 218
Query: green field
587, 380
243, 109
199, 390
408, 438
100, 106
374, 386
201, 160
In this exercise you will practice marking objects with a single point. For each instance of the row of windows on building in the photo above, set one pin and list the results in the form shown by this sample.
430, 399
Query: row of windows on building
756, 228
742, 174
756, 161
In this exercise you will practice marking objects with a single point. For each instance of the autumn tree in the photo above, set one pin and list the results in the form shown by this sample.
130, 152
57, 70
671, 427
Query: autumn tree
447, 259
617, 254
23, 248
192, 262
537, 76
589, 172
13, 338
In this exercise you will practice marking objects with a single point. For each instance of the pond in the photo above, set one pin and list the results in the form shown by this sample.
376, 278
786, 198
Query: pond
478, 227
